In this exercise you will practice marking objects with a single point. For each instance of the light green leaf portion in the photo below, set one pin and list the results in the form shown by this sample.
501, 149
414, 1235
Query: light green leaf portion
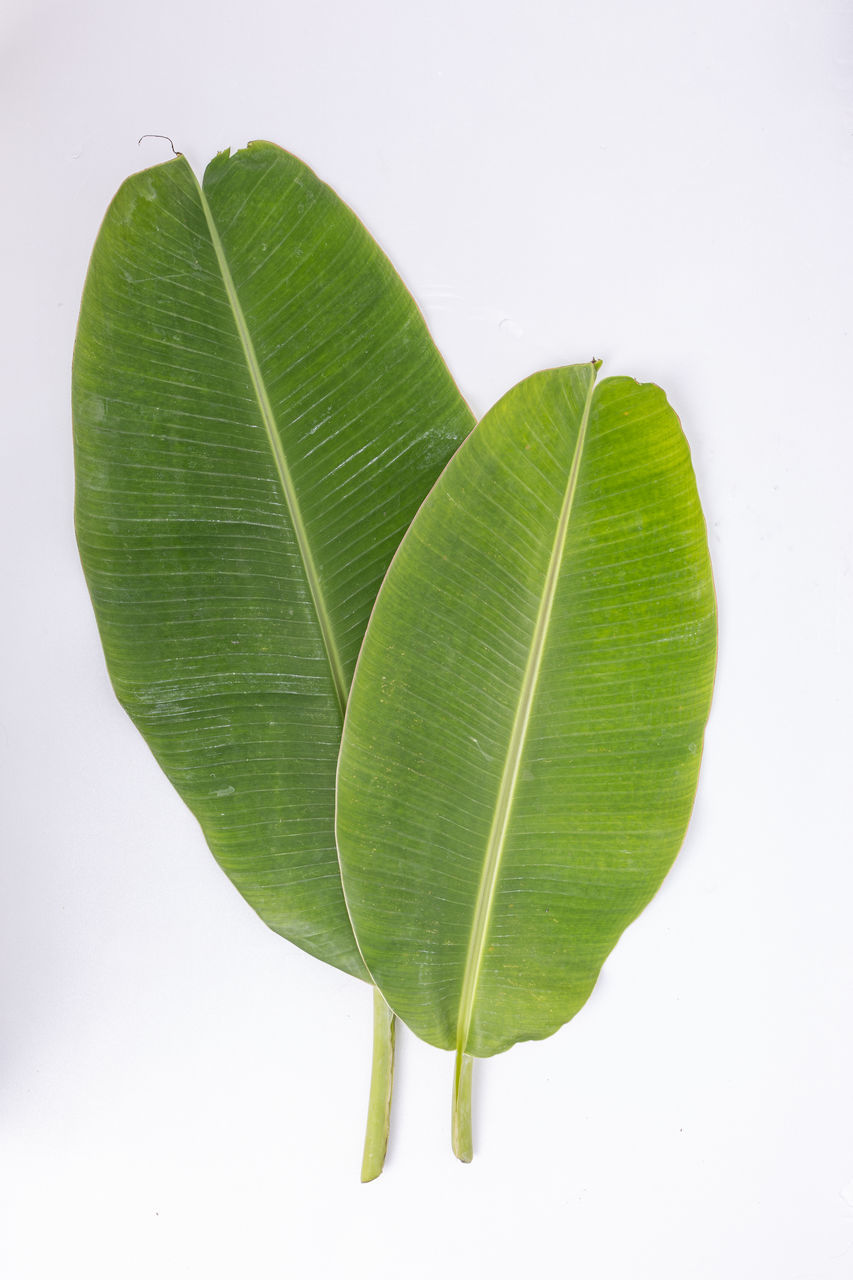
258, 412
523, 737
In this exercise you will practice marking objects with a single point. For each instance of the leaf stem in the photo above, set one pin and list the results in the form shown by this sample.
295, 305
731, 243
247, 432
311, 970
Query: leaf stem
381, 1084
463, 1143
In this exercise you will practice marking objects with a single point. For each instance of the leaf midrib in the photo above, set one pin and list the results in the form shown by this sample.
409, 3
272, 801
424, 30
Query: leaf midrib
512, 763
288, 488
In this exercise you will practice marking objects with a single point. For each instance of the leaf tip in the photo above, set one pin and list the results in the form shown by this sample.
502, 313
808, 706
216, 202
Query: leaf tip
165, 138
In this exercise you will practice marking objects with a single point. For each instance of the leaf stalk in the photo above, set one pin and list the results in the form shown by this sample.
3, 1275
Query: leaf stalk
381, 1085
461, 1136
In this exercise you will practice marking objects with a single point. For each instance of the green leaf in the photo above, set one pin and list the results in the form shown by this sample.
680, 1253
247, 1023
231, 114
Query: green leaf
258, 412
522, 742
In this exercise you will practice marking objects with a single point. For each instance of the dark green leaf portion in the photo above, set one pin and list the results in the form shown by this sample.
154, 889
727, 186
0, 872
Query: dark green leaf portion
522, 742
258, 412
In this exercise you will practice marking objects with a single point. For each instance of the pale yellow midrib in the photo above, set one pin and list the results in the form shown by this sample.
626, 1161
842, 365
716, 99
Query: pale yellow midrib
512, 764
324, 621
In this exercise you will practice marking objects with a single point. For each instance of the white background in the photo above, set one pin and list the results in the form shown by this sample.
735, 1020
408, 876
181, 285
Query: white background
667, 186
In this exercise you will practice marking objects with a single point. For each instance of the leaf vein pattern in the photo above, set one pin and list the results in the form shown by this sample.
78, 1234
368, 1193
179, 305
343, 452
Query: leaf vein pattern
335, 664
512, 763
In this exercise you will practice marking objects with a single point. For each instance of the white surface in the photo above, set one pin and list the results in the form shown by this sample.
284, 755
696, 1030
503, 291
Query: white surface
667, 186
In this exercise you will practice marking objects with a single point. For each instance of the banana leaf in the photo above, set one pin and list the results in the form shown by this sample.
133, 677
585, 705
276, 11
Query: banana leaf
258, 412
523, 737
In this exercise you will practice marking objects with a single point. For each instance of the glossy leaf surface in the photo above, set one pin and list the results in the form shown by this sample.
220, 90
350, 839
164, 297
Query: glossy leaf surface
258, 412
522, 742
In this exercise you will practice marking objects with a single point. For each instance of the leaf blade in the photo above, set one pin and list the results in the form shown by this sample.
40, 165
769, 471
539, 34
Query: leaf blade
202, 594
584, 845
